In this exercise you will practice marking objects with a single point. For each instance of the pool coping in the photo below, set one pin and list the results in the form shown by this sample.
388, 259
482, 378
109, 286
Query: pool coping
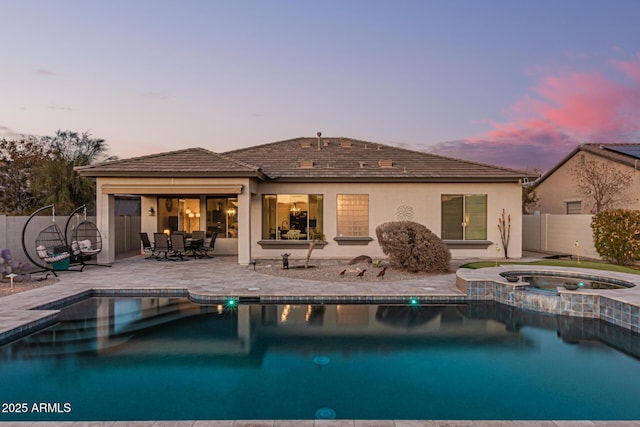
334, 423
46, 314
38, 308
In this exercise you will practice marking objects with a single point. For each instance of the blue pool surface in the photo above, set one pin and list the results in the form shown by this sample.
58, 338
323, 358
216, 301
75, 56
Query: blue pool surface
155, 359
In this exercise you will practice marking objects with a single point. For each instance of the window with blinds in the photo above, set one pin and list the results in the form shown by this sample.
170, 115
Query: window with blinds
464, 216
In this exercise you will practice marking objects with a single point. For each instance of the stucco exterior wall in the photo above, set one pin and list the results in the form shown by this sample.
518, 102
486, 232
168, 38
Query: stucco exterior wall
560, 187
385, 200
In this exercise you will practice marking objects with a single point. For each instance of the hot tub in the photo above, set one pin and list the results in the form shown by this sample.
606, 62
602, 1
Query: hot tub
549, 281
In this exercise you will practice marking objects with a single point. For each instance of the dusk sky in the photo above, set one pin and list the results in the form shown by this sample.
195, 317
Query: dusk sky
513, 83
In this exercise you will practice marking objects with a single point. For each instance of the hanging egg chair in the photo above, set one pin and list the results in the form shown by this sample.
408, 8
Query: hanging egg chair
50, 245
86, 240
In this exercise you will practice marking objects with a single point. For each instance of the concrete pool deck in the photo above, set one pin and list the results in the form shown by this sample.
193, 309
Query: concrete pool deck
221, 277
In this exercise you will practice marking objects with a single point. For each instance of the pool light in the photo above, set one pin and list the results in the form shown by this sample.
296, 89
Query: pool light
321, 360
231, 303
413, 301
325, 414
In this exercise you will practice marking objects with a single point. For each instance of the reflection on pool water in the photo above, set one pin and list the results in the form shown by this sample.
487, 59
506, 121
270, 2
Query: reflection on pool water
165, 358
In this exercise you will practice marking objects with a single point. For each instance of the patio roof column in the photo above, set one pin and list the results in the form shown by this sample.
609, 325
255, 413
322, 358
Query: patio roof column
244, 226
105, 220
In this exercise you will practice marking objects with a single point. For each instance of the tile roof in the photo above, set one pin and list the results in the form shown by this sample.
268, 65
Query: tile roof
191, 162
299, 160
345, 159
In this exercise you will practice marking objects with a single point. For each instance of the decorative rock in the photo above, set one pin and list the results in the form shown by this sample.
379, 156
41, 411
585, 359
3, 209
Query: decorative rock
360, 259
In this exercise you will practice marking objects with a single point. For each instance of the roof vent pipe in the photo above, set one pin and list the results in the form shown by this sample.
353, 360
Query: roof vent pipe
319, 135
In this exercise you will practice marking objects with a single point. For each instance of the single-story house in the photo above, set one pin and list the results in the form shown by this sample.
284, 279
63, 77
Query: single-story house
558, 191
268, 199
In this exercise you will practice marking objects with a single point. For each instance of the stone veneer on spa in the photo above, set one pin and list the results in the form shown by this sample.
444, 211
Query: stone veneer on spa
606, 305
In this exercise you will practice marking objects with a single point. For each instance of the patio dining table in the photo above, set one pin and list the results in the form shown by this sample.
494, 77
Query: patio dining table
195, 247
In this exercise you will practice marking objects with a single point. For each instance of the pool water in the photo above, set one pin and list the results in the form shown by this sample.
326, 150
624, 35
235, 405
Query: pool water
155, 359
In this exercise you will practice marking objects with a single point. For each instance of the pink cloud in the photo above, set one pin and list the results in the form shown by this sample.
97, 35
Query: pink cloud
563, 110
585, 104
630, 68
518, 148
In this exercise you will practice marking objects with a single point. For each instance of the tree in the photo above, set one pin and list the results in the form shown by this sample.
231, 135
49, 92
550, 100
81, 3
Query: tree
56, 177
316, 236
601, 182
20, 160
530, 198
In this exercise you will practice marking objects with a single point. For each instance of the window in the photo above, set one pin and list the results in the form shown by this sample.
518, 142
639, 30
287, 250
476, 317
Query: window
574, 208
176, 214
291, 216
353, 215
464, 217
222, 217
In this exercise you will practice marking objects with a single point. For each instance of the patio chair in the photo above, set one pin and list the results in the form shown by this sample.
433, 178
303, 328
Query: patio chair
178, 248
52, 253
161, 246
51, 247
212, 245
85, 238
197, 244
147, 246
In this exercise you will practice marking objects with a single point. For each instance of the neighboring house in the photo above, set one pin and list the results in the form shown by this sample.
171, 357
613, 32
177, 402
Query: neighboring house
558, 191
266, 200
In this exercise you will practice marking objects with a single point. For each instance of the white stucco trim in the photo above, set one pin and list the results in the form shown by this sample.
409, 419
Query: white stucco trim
162, 188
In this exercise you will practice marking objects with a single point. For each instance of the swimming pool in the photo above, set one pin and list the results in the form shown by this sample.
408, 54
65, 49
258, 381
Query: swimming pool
166, 358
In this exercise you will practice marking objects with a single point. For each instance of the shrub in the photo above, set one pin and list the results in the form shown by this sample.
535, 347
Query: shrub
616, 235
8, 265
413, 247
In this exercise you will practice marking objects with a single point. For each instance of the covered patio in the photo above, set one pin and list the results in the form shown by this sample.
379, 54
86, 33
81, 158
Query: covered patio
186, 190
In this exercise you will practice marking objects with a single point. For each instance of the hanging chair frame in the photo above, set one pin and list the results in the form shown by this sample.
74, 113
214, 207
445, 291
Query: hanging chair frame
76, 247
40, 262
